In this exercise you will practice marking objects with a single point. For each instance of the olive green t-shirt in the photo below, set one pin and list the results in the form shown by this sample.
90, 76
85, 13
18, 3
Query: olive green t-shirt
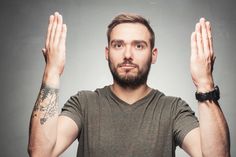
109, 127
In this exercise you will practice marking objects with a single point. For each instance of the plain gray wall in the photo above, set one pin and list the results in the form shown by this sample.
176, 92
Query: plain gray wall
23, 27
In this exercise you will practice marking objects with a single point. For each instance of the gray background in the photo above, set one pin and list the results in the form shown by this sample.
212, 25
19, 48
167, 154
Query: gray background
23, 26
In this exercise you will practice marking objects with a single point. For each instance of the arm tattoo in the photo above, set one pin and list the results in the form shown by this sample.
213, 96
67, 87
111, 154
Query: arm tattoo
46, 105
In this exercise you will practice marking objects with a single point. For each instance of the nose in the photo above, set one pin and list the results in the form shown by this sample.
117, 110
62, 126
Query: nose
128, 54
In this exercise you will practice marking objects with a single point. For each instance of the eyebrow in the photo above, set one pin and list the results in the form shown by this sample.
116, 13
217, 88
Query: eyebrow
140, 41
134, 41
117, 41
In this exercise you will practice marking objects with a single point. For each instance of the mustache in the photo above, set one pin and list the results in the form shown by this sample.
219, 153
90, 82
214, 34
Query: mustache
127, 62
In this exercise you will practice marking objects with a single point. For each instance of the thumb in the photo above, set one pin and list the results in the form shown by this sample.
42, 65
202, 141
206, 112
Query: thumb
44, 54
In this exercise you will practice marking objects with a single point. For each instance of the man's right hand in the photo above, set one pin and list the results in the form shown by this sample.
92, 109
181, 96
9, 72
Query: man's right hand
54, 51
50, 134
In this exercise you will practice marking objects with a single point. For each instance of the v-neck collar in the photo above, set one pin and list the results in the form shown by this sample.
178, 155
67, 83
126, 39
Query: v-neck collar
126, 106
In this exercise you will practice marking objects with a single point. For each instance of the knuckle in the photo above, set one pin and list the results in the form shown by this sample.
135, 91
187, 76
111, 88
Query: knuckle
58, 30
51, 44
54, 46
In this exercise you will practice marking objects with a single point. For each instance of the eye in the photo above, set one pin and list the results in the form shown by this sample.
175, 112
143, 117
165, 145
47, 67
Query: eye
117, 45
139, 46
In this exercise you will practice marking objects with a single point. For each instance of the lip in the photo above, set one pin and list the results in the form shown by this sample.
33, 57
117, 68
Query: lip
127, 66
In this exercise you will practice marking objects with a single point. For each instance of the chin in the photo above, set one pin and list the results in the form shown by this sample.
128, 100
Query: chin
127, 75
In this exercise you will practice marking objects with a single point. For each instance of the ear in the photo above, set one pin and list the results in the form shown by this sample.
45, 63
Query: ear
106, 53
154, 55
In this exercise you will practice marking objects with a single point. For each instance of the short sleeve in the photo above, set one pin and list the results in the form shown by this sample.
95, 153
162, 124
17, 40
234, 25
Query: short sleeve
184, 121
72, 109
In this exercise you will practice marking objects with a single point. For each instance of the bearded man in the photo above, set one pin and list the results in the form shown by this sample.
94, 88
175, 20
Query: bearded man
128, 118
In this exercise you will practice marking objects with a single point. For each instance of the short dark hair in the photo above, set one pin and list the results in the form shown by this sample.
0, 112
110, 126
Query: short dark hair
131, 18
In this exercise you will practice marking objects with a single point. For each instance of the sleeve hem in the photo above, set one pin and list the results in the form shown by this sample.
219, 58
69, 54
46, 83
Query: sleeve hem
186, 131
74, 117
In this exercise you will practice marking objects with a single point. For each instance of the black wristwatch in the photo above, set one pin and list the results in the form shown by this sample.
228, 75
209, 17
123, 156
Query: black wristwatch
212, 95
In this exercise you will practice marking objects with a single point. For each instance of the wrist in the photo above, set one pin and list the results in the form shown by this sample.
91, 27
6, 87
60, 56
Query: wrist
51, 78
205, 86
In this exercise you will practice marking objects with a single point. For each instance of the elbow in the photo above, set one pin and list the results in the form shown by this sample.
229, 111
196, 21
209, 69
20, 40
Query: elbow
217, 153
33, 152
30, 152
39, 151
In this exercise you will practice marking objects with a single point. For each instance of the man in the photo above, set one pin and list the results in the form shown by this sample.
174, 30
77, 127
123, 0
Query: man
128, 118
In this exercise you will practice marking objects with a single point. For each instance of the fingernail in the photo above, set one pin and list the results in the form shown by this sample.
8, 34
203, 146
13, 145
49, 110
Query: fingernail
43, 50
197, 25
202, 19
64, 26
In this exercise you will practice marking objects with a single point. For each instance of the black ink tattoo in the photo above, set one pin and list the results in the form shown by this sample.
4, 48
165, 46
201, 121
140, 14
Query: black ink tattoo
47, 104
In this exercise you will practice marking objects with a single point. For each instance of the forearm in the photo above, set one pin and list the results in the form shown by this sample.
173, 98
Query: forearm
214, 130
44, 119
43, 124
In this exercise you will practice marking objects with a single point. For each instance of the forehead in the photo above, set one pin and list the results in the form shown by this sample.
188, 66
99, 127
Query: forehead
130, 32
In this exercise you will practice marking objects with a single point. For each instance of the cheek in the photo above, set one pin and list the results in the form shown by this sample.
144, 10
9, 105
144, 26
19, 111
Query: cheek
115, 58
112, 62
143, 61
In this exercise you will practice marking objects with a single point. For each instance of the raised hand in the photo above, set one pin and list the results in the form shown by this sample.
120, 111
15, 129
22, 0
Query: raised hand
202, 56
54, 51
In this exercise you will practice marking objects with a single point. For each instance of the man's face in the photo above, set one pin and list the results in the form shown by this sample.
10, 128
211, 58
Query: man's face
129, 54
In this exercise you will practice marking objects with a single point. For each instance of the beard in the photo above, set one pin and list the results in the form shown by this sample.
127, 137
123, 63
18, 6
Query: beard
131, 81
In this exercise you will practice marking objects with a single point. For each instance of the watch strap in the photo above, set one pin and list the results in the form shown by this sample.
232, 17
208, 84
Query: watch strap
212, 95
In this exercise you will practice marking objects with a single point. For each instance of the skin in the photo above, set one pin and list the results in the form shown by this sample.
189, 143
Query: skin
212, 138
49, 135
130, 42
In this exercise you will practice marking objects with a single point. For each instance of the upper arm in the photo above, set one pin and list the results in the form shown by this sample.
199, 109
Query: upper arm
67, 132
192, 143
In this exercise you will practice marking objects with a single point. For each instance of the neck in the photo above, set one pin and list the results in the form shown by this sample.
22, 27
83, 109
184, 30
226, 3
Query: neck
130, 95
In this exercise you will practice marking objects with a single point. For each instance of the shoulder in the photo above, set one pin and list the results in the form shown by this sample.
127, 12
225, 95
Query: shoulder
84, 96
98, 92
171, 100
171, 103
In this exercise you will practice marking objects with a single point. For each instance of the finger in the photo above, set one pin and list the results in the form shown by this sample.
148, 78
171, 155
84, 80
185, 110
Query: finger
62, 41
44, 50
58, 29
54, 26
50, 22
213, 61
199, 39
208, 26
44, 54
205, 40
194, 49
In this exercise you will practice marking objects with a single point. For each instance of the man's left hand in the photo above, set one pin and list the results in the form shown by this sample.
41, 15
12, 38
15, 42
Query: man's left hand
202, 56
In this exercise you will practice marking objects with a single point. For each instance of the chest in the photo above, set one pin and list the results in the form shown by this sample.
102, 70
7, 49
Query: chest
141, 130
